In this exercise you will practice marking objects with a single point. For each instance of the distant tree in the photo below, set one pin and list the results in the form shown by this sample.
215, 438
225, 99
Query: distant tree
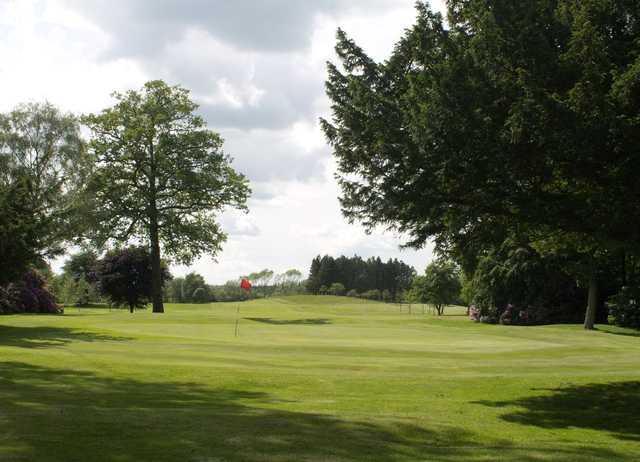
79, 278
125, 276
291, 279
161, 176
418, 292
262, 281
230, 292
440, 286
72, 291
373, 294
386, 296
288, 282
354, 273
313, 281
174, 290
81, 265
337, 288
192, 282
201, 295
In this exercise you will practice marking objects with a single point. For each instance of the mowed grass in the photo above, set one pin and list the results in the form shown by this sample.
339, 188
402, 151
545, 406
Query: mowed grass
312, 379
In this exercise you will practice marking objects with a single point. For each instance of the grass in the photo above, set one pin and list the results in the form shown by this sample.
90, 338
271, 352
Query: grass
312, 379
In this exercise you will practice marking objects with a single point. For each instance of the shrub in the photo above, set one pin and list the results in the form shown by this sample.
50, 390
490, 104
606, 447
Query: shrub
201, 295
625, 307
371, 294
6, 301
337, 288
474, 313
514, 284
353, 293
386, 296
29, 295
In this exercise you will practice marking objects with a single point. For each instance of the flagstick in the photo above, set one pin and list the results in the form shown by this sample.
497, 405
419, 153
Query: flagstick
237, 319
245, 285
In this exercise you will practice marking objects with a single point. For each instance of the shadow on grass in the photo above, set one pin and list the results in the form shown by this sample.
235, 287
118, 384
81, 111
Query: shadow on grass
614, 330
292, 322
65, 415
610, 407
45, 337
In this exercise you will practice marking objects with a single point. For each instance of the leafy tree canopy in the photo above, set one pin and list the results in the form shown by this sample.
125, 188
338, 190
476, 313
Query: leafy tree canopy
81, 265
43, 164
439, 286
161, 176
20, 232
515, 115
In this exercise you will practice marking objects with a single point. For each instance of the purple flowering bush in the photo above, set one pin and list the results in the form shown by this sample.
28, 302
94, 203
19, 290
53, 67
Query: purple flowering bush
29, 295
474, 313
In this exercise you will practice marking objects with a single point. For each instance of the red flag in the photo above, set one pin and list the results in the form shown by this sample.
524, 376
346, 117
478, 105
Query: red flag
245, 284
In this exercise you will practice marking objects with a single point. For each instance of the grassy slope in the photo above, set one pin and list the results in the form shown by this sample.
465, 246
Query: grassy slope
314, 379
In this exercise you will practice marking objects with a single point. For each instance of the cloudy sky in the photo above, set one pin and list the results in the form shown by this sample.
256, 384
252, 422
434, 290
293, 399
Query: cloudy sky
257, 69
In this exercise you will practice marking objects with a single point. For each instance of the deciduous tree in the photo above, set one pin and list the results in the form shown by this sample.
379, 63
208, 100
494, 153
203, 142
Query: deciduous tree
161, 177
43, 164
440, 286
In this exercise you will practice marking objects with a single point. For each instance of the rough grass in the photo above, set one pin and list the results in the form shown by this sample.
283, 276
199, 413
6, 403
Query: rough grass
313, 379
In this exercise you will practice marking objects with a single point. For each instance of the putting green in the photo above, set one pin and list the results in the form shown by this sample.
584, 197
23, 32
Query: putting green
313, 379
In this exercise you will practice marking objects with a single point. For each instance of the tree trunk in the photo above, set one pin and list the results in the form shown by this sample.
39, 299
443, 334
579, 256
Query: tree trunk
156, 269
592, 302
130, 308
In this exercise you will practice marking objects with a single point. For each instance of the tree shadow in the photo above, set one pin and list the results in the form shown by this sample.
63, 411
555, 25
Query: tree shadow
618, 331
46, 337
292, 322
60, 415
611, 407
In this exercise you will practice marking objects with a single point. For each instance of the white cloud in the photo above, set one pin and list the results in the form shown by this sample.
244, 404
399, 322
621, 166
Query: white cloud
51, 53
256, 68
302, 221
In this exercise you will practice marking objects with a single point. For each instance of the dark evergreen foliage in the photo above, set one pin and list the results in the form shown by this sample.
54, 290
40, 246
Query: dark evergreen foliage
510, 118
360, 275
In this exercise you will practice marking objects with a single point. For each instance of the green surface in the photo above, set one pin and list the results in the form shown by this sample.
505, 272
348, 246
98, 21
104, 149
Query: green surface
312, 378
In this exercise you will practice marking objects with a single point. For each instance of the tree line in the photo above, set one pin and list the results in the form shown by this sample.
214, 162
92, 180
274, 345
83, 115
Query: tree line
265, 283
371, 278
509, 136
123, 277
